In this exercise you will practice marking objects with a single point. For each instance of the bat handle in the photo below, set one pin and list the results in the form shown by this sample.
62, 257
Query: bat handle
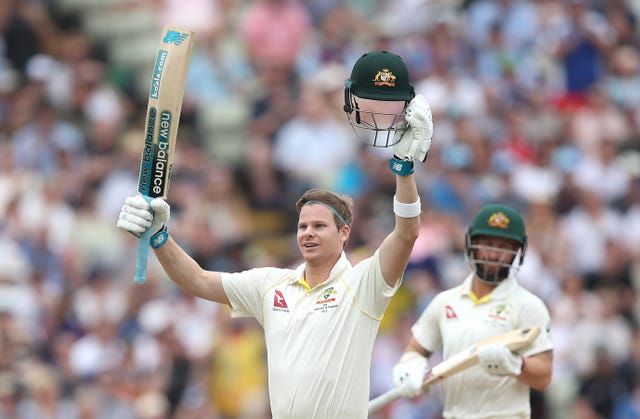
384, 399
140, 275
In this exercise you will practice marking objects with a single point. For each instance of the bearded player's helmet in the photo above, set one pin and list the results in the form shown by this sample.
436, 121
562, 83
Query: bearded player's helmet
376, 96
495, 220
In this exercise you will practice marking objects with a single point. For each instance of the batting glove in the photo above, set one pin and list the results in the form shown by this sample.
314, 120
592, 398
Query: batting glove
136, 215
409, 373
497, 359
415, 141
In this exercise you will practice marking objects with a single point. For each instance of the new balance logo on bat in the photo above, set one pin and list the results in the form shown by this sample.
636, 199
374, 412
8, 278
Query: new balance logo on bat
174, 37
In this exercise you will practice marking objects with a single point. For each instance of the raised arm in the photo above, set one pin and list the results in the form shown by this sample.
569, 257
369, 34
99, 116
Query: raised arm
397, 246
136, 216
414, 145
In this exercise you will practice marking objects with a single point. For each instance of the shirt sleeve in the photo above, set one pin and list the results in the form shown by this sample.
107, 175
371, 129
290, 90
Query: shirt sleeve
370, 290
245, 290
534, 313
426, 330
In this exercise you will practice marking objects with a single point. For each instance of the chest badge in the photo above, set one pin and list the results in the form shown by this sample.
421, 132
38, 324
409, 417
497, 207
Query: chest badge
499, 312
279, 303
327, 300
450, 313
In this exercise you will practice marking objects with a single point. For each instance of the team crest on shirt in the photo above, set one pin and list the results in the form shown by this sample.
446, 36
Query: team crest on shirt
327, 300
499, 313
279, 303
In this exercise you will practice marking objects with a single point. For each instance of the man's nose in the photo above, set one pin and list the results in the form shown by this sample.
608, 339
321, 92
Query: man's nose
495, 253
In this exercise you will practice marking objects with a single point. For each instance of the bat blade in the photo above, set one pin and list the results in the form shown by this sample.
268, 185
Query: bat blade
514, 340
161, 125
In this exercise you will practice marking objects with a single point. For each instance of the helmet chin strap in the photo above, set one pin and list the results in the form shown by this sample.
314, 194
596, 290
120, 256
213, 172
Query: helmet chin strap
358, 120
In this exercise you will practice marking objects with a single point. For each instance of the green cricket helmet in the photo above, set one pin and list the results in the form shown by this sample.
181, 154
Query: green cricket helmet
376, 96
496, 220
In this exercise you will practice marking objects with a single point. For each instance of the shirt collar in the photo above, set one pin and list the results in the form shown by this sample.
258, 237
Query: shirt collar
341, 265
502, 291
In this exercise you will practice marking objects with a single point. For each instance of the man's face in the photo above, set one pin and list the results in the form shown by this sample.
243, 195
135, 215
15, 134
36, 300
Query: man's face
318, 237
493, 255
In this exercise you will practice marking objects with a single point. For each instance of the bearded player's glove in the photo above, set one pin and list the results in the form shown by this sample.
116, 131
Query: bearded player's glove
409, 373
137, 215
497, 359
415, 141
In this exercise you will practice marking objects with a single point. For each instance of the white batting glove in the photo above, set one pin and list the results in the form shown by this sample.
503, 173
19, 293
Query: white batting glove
416, 140
136, 216
497, 359
409, 373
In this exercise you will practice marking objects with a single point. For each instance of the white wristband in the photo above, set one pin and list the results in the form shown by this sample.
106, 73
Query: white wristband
406, 210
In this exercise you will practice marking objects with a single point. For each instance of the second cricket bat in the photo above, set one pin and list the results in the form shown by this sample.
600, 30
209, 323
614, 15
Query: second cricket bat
514, 340
161, 126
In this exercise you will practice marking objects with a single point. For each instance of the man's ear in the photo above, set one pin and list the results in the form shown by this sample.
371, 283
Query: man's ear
345, 232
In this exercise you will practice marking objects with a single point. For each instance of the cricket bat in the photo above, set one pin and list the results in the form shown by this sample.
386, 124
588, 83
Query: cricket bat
161, 126
514, 340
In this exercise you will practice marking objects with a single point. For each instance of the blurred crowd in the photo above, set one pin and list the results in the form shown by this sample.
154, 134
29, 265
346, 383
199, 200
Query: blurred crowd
536, 104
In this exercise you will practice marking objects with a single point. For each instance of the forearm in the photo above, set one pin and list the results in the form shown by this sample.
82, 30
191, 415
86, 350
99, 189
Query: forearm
407, 193
406, 189
414, 346
536, 371
396, 248
188, 275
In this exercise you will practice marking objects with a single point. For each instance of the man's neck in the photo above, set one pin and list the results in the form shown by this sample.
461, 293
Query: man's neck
315, 274
481, 288
314, 278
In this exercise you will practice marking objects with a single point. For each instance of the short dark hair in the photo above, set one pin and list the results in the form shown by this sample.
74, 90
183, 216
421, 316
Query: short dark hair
342, 204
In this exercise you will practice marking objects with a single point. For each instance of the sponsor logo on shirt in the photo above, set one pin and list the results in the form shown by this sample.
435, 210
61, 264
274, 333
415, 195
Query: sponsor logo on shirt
279, 303
499, 312
450, 313
327, 300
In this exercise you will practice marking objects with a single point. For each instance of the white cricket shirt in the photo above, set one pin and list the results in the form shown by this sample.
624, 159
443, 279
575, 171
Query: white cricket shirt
454, 321
319, 341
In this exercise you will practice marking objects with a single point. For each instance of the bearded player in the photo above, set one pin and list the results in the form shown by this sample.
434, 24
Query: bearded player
487, 303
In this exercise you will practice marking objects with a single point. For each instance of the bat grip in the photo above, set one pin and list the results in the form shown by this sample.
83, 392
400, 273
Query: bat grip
384, 399
140, 275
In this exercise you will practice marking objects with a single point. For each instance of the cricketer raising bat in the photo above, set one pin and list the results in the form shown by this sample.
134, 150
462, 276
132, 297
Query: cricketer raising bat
161, 127
514, 340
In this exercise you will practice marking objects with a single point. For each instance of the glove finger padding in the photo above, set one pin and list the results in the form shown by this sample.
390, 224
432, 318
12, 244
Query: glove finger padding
161, 210
137, 202
161, 214
415, 142
497, 359
409, 373
418, 110
136, 216
131, 213
130, 227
